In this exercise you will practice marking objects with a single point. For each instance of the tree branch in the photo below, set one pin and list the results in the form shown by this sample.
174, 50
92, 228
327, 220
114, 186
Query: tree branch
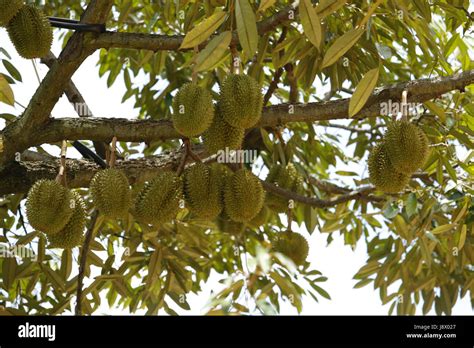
154, 42
103, 129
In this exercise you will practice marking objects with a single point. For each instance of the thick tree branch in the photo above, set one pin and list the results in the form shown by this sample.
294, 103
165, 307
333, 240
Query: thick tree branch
18, 177
103, 129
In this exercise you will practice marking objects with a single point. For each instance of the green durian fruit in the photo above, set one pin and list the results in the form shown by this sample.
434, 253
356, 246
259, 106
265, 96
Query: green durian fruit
158, 201
292, 245
226, 225
72, 234
49, 206
193, 110
221, 135
406, 146
284, 177
111, 193
243, 196
383, 174
241, 101
203, 191
30, 33
8, 10
261, 219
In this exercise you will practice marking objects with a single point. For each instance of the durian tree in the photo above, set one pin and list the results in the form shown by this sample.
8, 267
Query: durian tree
360, 112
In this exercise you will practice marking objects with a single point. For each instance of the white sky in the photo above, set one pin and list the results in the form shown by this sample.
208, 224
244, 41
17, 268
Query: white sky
337, 262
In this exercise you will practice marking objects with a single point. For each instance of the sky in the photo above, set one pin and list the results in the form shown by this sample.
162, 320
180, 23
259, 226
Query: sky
337, 262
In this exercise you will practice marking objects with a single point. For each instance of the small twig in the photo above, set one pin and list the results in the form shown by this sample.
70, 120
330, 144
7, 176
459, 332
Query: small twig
61, 177
83, 261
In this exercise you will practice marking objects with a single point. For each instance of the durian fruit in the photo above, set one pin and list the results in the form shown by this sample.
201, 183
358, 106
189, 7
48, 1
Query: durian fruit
49, 206
203, 191
292, 245
243, 196
226, 225
383, 174
193, 110
284, 177
261, 218
221, 135
406, 146
158, 201
30, 32
72, 234
241, 101
8, 10
111, 193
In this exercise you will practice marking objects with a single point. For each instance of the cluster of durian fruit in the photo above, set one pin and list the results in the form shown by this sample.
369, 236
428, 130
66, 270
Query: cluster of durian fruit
403, 149
239, 106
28, 28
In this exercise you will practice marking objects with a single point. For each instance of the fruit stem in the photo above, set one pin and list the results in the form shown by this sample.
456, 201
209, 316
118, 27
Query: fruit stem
404, 105
113, 156
61, 177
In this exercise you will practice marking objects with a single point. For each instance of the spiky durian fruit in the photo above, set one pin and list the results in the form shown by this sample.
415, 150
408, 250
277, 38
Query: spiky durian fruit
243, 196
284, 177
110, 191
203, 191
293, 245
406, 145
49, 206
193, 110
261, 218
30, 32
226, 225
241, 101
8, 10
72, 234
158, 201
221, 135
382, 173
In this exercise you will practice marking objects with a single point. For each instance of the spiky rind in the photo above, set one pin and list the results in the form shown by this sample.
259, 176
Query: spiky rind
31, 32
158, 201
241, 101
111, 193
284, 177
8, 10
382, 173
221, 135
193, 110
293, 245
243, 196
202, 191
261, 218
49, 206
72, 234
406, 145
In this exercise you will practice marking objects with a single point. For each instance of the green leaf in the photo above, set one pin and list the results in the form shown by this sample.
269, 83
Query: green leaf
288, 289
327, 7
246, 27
6, 92
341, 46
411, 204
264, 4
213, 52
310, 218
12, 70
9, 267
443, 228
311, 22
203, 30
320, 291
363, 91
